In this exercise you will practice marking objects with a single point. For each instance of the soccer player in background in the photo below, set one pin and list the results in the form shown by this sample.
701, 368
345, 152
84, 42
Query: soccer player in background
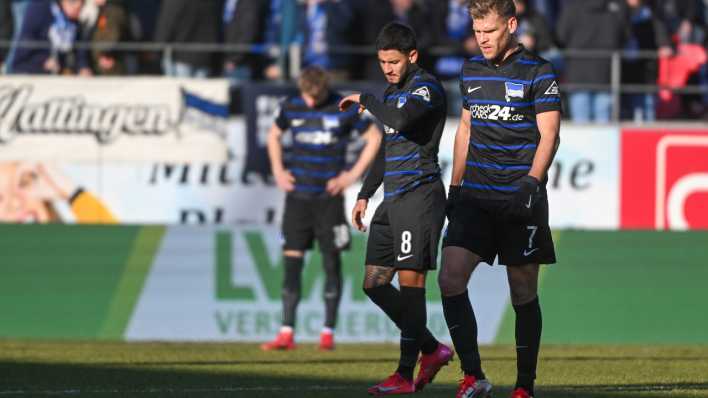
497, 204
405, 229
314, 181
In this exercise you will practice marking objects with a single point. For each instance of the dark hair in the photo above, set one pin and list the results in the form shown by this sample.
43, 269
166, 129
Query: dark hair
482, 8
396, 36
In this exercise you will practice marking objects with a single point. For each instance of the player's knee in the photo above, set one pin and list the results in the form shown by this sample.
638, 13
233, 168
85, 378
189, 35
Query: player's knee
522, 294
449, 284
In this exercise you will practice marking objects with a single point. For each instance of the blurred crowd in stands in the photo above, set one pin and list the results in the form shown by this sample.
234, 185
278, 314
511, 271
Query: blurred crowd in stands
662, 41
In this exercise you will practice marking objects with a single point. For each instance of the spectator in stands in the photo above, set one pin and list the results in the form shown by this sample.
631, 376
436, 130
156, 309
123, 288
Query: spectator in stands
143, 20
112, 27
250, 22
533, 30
19, 8
189, 22
682, 18
591, 25
646, 32
550, 9
369, 17
56, 23
326, 25
452, 26
417, 15
6, 29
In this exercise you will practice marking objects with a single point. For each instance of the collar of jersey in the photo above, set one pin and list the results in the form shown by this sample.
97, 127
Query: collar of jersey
511, 58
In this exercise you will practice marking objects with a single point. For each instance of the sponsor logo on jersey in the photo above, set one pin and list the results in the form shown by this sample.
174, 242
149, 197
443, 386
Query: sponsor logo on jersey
495, 112
552, 89
401, 101
423, 92
316, 138
514, 90
330, 122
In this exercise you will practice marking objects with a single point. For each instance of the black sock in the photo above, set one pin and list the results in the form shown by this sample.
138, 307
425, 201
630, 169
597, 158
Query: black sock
528, 340
413, 320
389, 300
463, 330
332, 263
291, 288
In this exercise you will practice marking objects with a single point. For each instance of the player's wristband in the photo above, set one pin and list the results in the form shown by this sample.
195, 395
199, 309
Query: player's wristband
362, 195
365, 98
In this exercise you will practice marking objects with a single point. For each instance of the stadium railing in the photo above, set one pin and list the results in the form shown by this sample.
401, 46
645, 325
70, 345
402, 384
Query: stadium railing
289, 60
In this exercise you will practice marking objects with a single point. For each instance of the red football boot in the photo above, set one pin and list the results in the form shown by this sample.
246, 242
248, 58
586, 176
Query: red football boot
431, 364
470, 387
394, 384
326, 341
283, 341
521, 393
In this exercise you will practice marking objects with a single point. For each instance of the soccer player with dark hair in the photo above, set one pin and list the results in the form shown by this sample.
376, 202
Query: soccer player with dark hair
314, 181
497, 204
405, 229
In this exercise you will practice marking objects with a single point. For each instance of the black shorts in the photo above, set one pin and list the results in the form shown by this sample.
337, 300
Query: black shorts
481, 227
318, 218
405, 232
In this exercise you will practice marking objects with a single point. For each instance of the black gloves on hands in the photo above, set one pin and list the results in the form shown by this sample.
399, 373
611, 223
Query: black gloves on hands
520, 205
453, 195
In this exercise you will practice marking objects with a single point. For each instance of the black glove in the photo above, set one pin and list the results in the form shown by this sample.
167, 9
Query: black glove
453, 195
520, 205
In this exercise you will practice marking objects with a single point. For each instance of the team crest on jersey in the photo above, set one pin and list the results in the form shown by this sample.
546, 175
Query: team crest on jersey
513, 90
401, 101
552, 89
423, 92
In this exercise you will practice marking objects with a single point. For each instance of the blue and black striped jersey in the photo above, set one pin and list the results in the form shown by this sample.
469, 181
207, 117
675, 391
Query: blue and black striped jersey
320, 139
503, 102
413, 114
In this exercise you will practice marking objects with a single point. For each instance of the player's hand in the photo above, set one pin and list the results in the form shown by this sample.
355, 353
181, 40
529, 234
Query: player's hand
453, 195
285, 180
521, 203
359, 213
336, 185
350, 100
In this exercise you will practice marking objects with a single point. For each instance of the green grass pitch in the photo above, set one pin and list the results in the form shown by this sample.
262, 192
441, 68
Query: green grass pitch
105, 369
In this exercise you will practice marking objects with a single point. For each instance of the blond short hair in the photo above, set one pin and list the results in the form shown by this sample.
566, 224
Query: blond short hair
482, 8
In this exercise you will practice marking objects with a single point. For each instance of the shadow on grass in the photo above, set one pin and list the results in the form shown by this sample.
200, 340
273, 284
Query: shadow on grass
22, 379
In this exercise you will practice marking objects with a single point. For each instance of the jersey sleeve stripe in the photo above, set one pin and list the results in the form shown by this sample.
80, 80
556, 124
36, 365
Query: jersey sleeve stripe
496, 166
312, 173
528, 62
318, 159
487, 187
309, 188
402, 173
503, 147
494, 78
505, 125
548, 76
412, 156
